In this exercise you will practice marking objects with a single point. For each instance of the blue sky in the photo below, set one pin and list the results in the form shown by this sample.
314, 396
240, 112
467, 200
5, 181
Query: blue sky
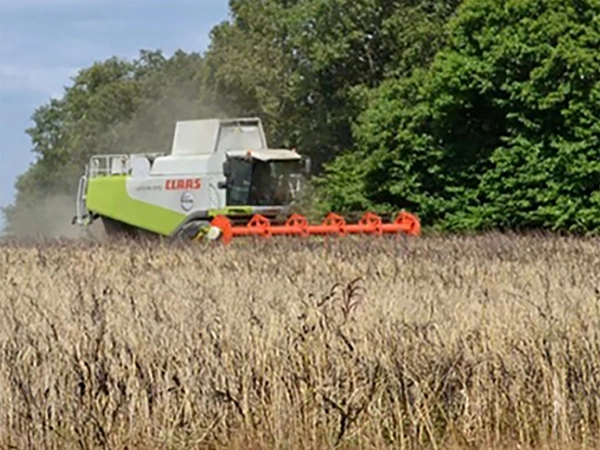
45, 42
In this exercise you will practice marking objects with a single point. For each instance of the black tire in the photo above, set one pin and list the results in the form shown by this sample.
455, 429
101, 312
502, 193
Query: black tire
190, 230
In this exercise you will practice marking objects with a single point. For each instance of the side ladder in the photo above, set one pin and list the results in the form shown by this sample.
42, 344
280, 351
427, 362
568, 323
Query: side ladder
82, 213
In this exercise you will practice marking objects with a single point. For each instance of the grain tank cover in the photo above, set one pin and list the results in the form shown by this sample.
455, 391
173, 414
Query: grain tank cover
195, 137
202, 137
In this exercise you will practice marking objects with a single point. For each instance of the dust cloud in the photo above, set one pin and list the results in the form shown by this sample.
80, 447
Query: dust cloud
48, 217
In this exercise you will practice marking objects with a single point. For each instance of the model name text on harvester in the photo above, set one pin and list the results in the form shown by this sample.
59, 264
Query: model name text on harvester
185, 184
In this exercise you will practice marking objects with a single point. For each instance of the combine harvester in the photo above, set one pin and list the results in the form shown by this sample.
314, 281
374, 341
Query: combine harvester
219, 182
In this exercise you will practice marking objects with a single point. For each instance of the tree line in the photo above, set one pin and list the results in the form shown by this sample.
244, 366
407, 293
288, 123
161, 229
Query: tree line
474, 114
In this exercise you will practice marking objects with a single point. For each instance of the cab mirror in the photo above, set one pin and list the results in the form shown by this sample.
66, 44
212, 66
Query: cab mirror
222, 184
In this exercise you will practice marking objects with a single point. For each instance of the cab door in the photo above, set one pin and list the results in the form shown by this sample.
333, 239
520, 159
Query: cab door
239, 182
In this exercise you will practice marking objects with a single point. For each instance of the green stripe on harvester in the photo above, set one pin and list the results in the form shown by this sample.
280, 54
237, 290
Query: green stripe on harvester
108, 197
230, 210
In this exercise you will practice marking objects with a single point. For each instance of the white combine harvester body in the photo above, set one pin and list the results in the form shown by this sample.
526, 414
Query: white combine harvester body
215, 166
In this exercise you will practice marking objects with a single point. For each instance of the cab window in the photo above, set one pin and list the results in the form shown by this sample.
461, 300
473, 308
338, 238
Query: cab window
238, 187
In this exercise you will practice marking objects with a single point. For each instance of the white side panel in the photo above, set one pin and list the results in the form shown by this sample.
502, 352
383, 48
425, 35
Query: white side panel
194, 137
180, 194
140, 167
187, 165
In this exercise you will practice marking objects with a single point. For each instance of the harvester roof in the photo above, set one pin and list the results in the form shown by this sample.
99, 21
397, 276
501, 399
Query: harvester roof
266, 154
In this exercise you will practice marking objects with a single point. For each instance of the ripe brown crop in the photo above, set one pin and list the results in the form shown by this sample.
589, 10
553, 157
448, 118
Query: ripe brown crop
456, 342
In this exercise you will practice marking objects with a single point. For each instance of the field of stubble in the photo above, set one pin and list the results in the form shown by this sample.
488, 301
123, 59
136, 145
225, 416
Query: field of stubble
480, 342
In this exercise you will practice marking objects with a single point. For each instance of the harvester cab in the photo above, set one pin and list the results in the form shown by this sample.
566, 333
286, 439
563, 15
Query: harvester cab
263, 178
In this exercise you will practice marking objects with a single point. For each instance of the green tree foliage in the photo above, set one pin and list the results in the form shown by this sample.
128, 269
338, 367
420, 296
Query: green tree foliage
474, 114
303, 65
502, 130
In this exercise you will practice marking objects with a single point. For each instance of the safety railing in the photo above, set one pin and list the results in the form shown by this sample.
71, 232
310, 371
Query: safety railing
115, 164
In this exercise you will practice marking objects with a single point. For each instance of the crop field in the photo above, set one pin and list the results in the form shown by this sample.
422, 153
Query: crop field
472, 342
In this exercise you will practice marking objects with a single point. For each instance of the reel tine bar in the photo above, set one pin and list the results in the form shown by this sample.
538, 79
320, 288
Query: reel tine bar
334, 224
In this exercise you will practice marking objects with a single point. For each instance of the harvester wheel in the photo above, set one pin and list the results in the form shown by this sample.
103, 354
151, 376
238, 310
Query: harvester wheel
196, 230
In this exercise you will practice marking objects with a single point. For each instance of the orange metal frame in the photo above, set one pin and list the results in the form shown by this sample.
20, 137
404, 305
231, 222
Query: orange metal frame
334, 224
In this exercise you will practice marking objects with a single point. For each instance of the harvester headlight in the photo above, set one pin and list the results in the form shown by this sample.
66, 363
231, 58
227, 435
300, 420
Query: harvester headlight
213, 233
